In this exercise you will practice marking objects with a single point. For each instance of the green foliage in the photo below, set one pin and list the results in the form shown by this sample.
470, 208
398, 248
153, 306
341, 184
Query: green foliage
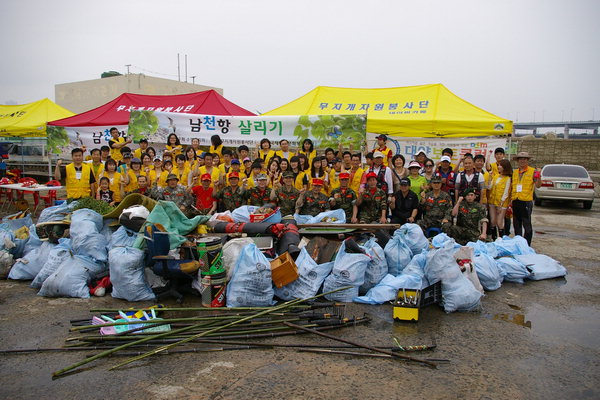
99, 206
142, 124
57, 138
330, 130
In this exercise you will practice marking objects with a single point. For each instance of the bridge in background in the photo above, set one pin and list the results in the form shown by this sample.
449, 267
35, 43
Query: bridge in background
565, 125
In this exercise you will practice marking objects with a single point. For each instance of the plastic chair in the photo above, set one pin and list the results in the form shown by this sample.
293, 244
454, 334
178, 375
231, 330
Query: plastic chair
14, 174
36, 195
174, 271
431, 232
7, 193
51, 196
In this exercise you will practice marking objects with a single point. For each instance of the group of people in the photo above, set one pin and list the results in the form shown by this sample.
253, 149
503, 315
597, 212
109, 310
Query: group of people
475, 192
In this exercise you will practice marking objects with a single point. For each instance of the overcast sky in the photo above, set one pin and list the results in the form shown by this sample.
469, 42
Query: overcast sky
507, 57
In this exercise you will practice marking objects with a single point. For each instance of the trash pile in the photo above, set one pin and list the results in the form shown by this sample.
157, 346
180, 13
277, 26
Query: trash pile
146, 250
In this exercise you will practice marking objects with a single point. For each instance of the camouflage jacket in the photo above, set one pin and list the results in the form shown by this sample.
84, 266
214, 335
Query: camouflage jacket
286, 200
314, 204
345, 200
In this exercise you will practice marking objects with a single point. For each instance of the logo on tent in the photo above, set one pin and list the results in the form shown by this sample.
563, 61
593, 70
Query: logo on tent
499, 127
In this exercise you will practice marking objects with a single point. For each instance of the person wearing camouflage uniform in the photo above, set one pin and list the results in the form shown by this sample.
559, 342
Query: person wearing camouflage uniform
287, 195
345, 198
372, 202
471, 219
260, 194
435, 204
232, 196
174, 192
313, 202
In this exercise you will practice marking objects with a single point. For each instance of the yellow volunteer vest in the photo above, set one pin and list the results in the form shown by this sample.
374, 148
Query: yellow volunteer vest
114, 185
526, 180
115, 154
215, 174
216, 150
499, 184
97, 170
77, 188
356, 178
280, 154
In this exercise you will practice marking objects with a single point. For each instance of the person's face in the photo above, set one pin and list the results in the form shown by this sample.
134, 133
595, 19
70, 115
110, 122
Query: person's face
262, 183
234, 181
227, 159
369, 162
142, 182
500, 169
414, 171
104, 154
294, 164
479, 164
372, 182
243, 154
143, 145
398, 163
316, 188
468, 164
355, 162
428, 166
195, 144
168, 166
200, 162
329, 155
235, 167
284, 166
208, 161
324, 163
216, 161
420, 158
499, 156
157, 164
523, 162
347, 159
265, 145
172, 183
77, 157
470, 197
273, 167
378, 161
445, 165
344, 182
180, 164
256, 171
447, 154
111, 167
206, 184
151, 153
404, 188
127, 161
135, 166
436, 185
190, 154
285, 145
288, 181
104, 185
306, 146
172, 140
146, 160
337, 166
380, 142
114, 133
167, 158
247, 165
96, 156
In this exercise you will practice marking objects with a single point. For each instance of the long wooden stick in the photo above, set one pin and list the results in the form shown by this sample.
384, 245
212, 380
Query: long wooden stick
364, 346
351, 226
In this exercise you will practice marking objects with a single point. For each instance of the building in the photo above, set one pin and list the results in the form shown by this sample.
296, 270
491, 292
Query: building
86, 95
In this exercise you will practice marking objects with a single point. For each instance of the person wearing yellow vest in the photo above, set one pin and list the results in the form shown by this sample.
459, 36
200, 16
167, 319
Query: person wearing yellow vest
79, 177
216, 145
386, 151
264, 150
493, 167
523, 181
115, 143
115, 179
284, 152
137, 153
356, 173
96, 163
174, 146
207, 168
308, 150
500, 196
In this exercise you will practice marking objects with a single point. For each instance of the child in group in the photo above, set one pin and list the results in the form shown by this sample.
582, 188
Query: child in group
104, 193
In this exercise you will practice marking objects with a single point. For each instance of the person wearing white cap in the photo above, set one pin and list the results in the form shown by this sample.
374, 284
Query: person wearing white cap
384, 175
445, 171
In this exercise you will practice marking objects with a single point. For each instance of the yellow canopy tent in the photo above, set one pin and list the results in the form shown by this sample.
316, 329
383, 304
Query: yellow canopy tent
413, 111
29, 120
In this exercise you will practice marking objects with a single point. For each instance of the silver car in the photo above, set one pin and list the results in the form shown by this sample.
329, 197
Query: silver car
565, 182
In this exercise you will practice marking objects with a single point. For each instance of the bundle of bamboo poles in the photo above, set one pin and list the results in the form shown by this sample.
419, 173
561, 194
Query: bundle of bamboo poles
220, 329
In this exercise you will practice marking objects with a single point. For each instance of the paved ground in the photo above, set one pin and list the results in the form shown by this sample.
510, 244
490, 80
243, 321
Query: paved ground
532, 341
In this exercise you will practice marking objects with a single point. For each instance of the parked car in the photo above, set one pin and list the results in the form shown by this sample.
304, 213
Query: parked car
565, 182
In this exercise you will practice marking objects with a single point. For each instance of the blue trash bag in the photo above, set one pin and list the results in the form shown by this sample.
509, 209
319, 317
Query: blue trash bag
242, 214
507, 246
541, 266
490, 276
480, 247
7, 238
348, 270
71, 278
441, 264
122, 237
33, 242
441, 239
86, 239
397, 254
56, 213
301, 219
127, 274
310, 278
251, 284
513, 270
414, 237
339, 215
387, 289
15, 224
416, 267
30, 265
377, 268
56, 256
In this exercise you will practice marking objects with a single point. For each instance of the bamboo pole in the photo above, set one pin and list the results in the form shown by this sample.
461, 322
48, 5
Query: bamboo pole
364, 346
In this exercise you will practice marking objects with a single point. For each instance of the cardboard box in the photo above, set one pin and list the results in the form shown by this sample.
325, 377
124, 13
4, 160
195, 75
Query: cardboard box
283, 270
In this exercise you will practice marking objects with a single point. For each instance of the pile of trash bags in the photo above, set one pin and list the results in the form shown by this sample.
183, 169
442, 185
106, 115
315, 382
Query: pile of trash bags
366, 269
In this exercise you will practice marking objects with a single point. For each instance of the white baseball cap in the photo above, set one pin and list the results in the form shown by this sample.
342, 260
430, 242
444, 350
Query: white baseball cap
377, 154
445, 158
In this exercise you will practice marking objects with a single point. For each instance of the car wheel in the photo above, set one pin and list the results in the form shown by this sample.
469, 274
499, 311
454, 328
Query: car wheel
587, 204
537, 202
